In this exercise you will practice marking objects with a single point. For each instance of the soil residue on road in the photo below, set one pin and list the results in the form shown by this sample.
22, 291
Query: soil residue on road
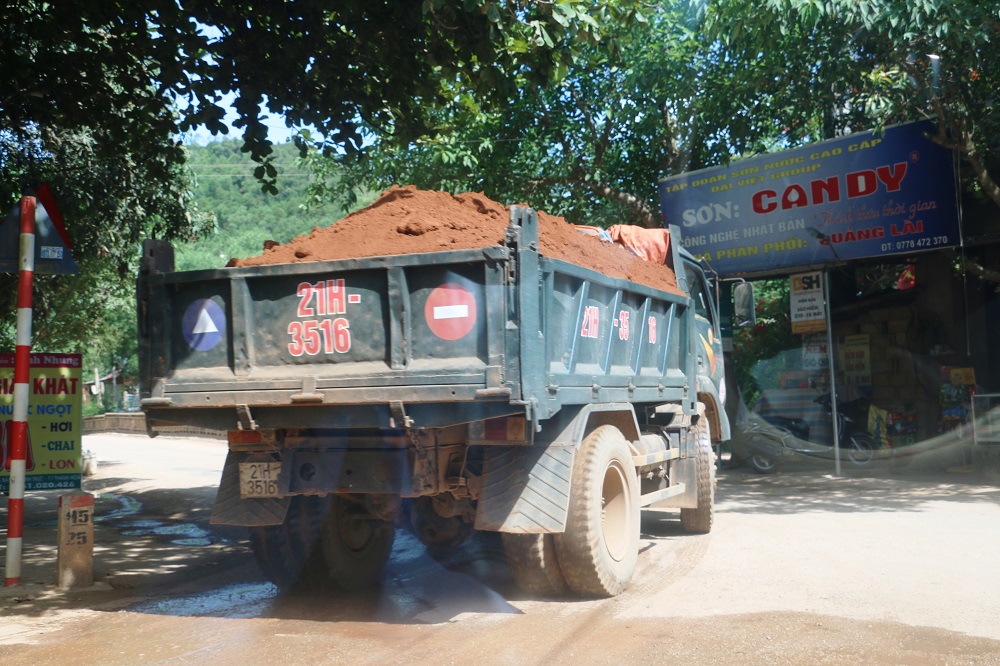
407, 220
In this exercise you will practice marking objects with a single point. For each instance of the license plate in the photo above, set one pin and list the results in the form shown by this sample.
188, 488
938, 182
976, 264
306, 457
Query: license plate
259, 479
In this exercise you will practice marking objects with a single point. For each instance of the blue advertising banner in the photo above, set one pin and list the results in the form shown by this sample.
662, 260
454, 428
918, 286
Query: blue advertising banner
854, 197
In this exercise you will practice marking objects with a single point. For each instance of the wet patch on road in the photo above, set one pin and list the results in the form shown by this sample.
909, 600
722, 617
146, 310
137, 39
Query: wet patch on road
181, 534
239, 601
127, 506
124, 506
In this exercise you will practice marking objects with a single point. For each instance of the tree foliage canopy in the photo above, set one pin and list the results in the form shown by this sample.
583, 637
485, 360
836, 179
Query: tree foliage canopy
701, 84
589, 148
95, 94
334, 67
878, 62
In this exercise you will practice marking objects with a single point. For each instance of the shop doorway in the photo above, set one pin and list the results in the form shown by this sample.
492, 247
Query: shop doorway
891, 356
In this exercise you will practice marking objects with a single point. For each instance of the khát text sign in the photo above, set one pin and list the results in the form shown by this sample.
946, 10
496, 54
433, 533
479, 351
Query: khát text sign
54, 422
863, 195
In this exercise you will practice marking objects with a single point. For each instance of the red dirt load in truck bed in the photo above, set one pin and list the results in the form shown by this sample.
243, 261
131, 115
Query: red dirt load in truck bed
406, 220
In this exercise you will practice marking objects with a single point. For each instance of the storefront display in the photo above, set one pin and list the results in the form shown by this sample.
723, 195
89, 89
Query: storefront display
957, 388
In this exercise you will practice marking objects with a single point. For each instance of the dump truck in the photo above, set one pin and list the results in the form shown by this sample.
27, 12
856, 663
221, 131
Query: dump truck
496, 389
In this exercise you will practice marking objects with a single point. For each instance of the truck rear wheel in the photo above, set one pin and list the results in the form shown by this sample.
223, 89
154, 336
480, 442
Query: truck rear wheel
599, 549
356, 545
699, 520
532, 560
289, 552
435, 531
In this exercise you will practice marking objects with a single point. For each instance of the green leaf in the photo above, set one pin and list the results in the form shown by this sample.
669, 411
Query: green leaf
493, 13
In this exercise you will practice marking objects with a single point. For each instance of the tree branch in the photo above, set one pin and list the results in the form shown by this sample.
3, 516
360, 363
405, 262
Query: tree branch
644, 216
964, 144
984, 274
669, 141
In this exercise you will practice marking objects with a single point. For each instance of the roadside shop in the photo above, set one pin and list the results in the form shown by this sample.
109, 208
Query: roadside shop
888, 274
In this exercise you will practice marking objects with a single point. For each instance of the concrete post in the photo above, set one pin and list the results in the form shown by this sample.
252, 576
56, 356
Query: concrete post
75, 559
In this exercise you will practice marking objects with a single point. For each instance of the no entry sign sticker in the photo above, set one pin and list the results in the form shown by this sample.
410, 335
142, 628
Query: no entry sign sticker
450, 311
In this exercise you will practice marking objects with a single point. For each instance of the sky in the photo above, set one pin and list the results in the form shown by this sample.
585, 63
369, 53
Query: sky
276, 130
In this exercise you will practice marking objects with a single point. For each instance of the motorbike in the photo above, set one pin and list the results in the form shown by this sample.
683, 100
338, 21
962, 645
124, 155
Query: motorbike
855, 440
772, 441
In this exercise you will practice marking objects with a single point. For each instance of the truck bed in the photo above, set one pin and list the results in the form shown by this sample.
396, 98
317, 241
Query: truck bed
432, 338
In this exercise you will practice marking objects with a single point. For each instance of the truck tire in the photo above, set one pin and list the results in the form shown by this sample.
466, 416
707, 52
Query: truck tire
435, 531
288, 553
356, 545
599, 549
533, 561
699, 520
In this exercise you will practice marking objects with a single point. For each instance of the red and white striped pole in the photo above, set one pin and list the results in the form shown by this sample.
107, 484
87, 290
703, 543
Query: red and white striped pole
22, 371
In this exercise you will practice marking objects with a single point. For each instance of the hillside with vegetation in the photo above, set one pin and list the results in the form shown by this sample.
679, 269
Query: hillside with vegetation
225, 190
244, 216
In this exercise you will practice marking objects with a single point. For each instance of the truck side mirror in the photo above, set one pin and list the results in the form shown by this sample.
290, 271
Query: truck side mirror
744, 313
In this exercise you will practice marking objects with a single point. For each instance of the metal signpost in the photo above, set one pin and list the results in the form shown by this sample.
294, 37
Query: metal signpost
51, 254
833, 374
22, 368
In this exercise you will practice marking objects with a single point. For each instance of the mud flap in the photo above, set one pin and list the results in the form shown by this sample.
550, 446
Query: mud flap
525, 489
231, 509
683, 470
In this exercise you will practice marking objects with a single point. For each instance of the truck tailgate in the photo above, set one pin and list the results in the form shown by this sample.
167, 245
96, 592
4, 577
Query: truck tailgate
397, 326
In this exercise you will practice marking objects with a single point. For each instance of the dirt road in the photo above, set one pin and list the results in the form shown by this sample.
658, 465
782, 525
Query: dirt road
894, 567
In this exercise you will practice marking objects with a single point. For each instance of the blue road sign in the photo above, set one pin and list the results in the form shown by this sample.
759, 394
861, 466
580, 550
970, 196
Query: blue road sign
51, 253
